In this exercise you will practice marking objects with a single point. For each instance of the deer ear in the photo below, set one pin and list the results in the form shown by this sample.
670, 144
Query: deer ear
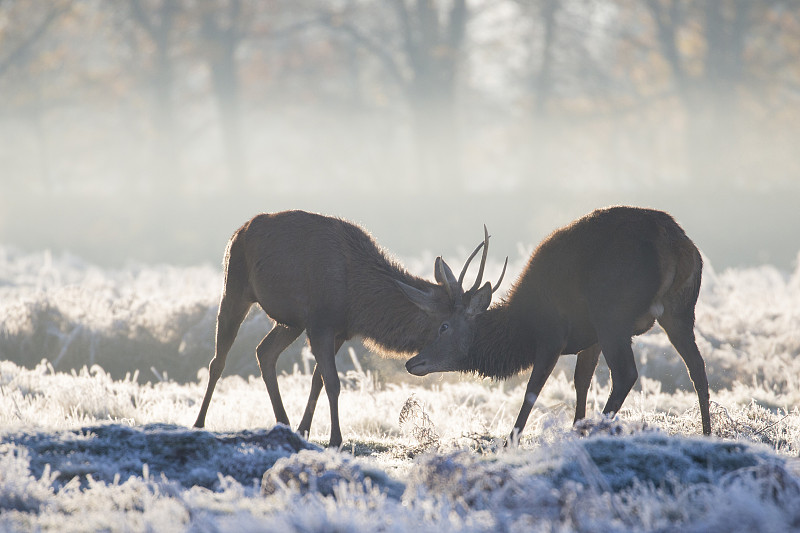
480, 300
441, 270
422, 299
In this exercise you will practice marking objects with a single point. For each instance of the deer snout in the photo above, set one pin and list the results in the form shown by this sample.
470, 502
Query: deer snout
417, 366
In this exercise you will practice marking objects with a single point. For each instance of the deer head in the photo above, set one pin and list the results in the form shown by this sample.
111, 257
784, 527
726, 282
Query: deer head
457, 329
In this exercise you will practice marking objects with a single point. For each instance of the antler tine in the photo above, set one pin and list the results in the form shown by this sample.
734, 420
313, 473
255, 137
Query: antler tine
483, 260
469, 259
502, 274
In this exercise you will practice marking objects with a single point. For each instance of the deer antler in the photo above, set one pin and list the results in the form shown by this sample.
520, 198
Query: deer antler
502, 274
469, 260
485, 246
483, 260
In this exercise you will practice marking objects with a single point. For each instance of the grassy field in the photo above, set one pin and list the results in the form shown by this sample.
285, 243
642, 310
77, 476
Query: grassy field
99, 385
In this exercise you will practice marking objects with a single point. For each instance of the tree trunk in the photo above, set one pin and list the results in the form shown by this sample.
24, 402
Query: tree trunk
226, 92
433, 50
710, 98
166, 151
222, 42
167, 159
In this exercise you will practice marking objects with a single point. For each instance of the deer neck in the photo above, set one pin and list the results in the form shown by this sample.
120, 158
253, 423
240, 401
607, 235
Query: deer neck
386, 320
502, 346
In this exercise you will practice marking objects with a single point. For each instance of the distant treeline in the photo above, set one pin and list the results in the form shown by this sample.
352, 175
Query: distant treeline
134, 96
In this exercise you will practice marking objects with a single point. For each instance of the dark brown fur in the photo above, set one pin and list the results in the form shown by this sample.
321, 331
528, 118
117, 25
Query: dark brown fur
325, 276
589, 286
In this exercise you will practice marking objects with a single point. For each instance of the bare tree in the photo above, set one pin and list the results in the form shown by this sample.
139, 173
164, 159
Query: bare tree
20, 48
158, 21
707, 83
20, 51
544, 13
223, 26
424, 62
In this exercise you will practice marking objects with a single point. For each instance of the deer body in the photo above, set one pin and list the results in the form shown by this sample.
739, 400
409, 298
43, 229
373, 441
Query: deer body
589, 287
329, 278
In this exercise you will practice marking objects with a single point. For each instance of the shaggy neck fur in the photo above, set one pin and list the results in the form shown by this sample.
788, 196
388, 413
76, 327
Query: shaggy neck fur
501, 347
380, 312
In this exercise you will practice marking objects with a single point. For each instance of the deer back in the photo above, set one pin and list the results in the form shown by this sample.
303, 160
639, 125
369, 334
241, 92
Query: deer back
621, 264
304, 268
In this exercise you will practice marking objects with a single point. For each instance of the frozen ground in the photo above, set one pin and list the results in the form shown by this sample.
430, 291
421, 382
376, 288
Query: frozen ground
100, 383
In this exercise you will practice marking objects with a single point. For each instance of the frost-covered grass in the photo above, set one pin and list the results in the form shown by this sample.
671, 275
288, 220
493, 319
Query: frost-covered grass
81, 451
92, 438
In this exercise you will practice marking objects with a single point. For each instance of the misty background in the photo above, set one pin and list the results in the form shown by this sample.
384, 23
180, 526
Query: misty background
149, 130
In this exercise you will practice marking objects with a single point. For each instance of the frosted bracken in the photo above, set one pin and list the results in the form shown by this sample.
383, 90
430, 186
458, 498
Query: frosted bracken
99, 384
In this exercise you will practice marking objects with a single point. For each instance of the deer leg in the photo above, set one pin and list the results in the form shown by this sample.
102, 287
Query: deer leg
584, 370
232, 311
323, 346
271, 346
542, 368
681, 334
316, 388
619, 357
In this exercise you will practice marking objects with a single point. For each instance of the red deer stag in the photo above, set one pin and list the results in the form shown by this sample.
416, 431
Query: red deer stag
588, 287
330, 278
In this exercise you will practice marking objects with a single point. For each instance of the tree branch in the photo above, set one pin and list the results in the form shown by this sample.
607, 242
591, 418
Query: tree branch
666, 28
457, 24
372, 46
141, 17
412, 50
22, 48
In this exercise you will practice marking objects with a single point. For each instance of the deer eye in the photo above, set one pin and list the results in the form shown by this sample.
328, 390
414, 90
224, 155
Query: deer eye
443, 328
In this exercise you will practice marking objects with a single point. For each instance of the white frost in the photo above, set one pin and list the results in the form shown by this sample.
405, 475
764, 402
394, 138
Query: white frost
83, 447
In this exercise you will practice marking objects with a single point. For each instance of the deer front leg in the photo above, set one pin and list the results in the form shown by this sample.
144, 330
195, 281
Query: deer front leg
542, 368
277, 340
323, 346
316, 387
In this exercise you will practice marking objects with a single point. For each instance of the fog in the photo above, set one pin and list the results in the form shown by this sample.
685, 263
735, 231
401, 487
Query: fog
137, 135
147, 131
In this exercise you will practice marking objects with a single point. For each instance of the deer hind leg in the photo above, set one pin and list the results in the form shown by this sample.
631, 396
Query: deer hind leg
680, 330
316, 387
584, 370
618, 354
323, 346
276, 341
232, 310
